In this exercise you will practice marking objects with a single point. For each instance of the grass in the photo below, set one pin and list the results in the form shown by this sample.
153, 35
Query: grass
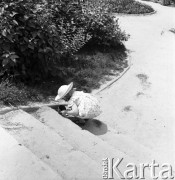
170, 3
130, 7
18, 94
88, 70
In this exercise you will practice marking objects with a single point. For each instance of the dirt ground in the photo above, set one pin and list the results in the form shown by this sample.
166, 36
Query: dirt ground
141, 105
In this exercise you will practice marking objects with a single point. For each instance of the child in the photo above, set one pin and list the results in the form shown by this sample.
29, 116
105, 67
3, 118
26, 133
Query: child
78, 103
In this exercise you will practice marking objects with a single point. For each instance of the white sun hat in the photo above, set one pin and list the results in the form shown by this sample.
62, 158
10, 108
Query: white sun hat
63, 90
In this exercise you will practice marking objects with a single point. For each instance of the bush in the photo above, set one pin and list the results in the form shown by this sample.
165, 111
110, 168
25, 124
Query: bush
102, 27
34, 36
130, 7
38, 38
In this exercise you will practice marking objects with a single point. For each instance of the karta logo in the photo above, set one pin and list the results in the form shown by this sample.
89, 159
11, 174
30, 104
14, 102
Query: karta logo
117, 169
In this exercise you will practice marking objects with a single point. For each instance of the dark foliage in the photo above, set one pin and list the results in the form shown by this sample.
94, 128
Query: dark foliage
38, 38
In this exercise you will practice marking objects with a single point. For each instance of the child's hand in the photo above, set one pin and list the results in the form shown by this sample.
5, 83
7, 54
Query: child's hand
72, 110
68, 108
64, 113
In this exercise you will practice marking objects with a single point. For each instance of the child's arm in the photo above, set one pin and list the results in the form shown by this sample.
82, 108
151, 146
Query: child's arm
63, 103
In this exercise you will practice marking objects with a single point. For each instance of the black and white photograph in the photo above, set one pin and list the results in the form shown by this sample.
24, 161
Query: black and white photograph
87, 89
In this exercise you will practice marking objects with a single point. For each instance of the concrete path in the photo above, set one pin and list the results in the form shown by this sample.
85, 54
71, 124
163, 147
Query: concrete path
50, 147
70, 151
18, 163
141, 105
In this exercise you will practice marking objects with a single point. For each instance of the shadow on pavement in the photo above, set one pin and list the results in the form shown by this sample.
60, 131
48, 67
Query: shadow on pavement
95, 126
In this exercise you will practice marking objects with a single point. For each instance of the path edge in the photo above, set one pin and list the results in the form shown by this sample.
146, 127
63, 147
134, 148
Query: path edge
139, 15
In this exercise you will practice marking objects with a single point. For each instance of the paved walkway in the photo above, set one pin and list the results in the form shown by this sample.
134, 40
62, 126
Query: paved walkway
141, 105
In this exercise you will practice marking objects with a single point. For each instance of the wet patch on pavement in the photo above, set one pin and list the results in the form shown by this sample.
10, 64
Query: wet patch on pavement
144, 80
139, 94
172, 30
127, 108
142, 77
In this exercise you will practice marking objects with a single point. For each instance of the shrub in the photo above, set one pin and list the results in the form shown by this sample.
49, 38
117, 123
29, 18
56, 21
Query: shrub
37, 38
103, 28
34, 36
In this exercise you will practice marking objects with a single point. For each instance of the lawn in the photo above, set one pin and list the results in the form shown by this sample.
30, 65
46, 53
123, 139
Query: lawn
130, 7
